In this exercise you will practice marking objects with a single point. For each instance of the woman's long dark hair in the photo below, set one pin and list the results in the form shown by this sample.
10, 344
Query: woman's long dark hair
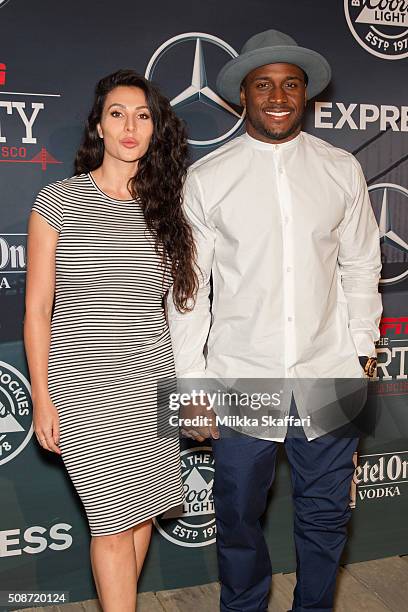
158, 182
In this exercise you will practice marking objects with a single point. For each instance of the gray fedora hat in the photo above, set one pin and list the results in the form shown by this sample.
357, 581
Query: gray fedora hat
272, 47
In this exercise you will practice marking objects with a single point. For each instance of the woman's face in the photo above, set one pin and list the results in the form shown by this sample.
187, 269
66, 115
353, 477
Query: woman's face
126, 124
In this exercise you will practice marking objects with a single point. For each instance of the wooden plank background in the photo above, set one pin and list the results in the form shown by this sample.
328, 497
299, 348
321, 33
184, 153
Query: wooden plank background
373, 586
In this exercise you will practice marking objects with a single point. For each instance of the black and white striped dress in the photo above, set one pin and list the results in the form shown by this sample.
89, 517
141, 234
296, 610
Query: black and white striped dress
109, 345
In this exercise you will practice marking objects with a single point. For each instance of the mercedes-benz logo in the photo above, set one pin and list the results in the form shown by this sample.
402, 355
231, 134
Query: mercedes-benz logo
197, 88
394, 247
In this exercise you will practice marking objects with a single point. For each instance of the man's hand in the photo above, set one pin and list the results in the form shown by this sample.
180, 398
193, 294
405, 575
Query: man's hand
198, 422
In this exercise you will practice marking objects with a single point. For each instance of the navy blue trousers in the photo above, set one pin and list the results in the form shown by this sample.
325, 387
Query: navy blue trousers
321, 472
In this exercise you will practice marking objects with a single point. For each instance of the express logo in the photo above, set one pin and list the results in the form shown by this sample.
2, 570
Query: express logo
340, 115
380, 26
16, 426
190, 88
35, 540
194, 526
390, 204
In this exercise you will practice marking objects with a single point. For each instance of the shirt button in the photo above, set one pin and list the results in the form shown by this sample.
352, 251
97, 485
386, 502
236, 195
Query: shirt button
280, 170
290, 319
287, 220
289, 269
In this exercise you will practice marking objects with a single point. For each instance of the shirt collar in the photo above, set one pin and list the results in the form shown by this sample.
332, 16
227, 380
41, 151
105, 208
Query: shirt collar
267, 146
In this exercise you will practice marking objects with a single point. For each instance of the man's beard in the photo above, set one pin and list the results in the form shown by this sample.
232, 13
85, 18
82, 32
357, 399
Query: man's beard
262, 129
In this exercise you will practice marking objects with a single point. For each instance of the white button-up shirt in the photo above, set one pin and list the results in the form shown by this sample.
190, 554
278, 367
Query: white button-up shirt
288, 233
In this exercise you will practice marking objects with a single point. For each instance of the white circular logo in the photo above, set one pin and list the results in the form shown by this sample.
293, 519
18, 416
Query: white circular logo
16, 426
190, 88
194, 526
380, 26
390, 203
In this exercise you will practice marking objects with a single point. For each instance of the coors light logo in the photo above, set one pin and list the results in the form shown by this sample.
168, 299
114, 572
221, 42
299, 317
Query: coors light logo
380, 26
194, 524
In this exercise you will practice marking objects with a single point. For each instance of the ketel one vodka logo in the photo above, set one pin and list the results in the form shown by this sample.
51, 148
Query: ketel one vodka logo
12, 259
193, 525
380, 26
381, 476
16, 426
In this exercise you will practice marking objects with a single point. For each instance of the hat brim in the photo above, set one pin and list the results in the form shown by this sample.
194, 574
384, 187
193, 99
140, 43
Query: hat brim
233, 73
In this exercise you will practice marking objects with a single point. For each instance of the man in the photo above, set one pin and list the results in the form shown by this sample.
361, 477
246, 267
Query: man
283, 222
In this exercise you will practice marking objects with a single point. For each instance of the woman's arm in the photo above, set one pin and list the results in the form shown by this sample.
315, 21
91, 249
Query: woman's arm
40, 287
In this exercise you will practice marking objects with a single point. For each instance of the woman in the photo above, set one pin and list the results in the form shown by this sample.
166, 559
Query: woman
108, 243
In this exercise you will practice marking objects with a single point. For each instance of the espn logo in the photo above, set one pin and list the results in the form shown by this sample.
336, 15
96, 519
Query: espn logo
393, 326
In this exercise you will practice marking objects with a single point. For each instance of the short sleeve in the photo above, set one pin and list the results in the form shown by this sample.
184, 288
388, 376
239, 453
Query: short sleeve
49, 205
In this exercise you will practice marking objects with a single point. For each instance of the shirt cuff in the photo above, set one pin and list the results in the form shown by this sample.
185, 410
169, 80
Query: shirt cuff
364, 344
189, 381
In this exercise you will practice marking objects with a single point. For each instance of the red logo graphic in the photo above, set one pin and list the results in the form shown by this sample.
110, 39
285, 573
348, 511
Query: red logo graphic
395, 325
2, 74
43, 157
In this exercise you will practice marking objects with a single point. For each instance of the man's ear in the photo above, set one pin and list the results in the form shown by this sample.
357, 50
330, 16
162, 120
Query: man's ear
242, 96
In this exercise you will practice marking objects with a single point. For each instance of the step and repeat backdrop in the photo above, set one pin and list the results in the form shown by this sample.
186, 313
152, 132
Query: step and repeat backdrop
51, 55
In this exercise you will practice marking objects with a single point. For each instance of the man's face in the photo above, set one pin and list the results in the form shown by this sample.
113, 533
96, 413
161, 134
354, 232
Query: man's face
274, 96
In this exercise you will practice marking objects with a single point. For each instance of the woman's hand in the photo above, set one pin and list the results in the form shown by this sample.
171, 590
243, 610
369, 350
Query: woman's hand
46, 425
